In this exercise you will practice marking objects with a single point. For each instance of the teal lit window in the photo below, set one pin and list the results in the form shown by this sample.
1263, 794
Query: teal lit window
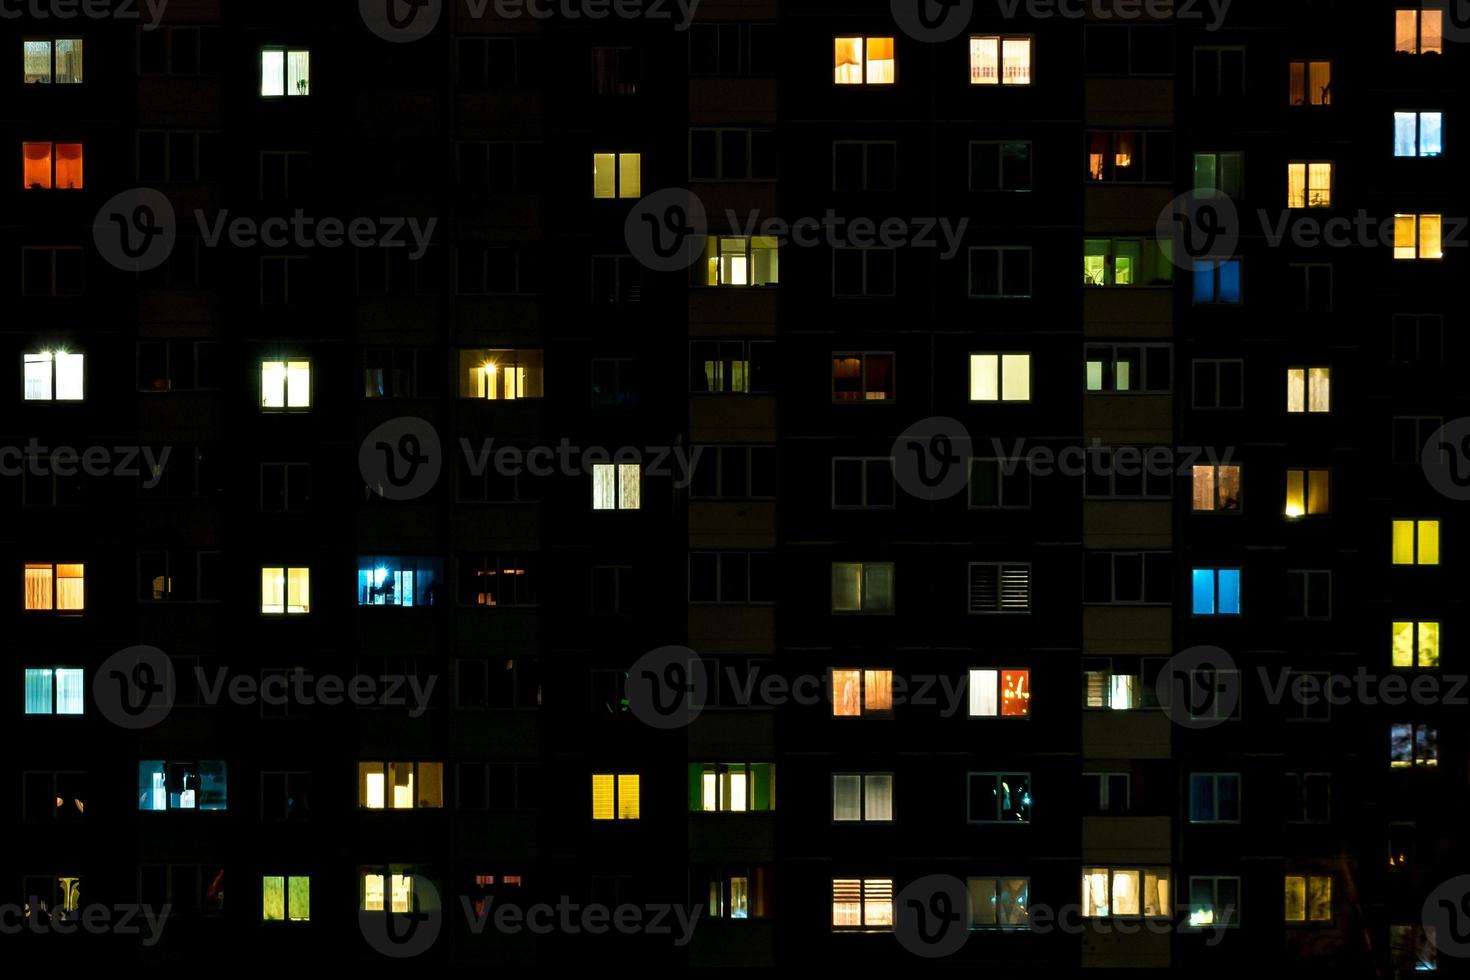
1216, 592
54, 691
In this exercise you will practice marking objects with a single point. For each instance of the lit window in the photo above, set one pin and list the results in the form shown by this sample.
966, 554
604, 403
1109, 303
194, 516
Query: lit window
1105, 687
1412, 949
1217, 283
1110, 892
1223, 172
1126, 262
1216, 591
732, 366
742, 893
999, 588
617, 486
56, 61
1000, 60
999, 797
999, 903
1309, 185
181, 785
54, 376
738, 787
285, 591
1000, 694
55, 587
1308, 493
1415, 644
1308, 898
285, 898
400, 785
862, 797
615, 796
862, 904
1418, 31
1416, 542
863, 587
1214, 901
862, 377
1418, 134
1311, 83
863, 61
494, 581
1131, 369
392, 581
1214, 797
1216, 489
1000, 377
1309, 390
1413, 746
55, 691
501, 375
285, 385
617, 175
403, 898
1418, 236
739, 261
284, 72
52, 166
859, 693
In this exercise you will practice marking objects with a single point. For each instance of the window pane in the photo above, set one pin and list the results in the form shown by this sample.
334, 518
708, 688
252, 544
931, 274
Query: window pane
272, 73
984, 701
878, 797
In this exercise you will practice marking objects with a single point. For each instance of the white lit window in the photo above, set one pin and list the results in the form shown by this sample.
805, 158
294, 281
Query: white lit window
737, 261
1309, 390
402, 892
862, 904
863, 587
284, 72
54, 376
617, 175
1000, 693
1000, 377
862, 797
285, 385
285, 591
1000, 60
617, 486
1418, 134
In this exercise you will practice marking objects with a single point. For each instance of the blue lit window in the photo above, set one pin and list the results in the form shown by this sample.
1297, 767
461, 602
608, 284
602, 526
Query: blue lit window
1217, 283
1418, 134
54, 691
1217, 592
390, 581
181, 785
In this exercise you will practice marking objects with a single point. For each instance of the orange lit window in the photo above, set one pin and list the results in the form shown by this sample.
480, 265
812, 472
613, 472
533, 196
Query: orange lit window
1419, 31
861, 692
55, 587
1311, 83
1015, 693
863, 61
52, 165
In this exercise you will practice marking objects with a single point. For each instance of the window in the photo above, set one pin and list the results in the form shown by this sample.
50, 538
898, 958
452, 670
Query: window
862, 904
733, 154
1308, 797
1000, 693
277, 275
285, 386
1409, 435
285, 898
392, 889
863, 484
1107, 794
52, 166
614, 590
1219, 385
497, 786
862, 377
999, 903
866, 587
1222, 172
1000, 377
1127, 473
732, 367
397, 372
497, 270
741, 893
54, 796
1311, 83
182, 52
1133, 369
862, 693
1417, 337
615, 71
731, 577
1309, 185
1214, 797
617, 175
501, 375
1002, 272
285, 488
1000, 60
1418, 31
54, 376
1308, 898
178, 365
1127, 51
863, 61
177, 156
617, 280
1401, 846
55, 587
860, 165
1308, 493
1219, 72
1418, 134
55, 691
732, 50
1126, 262
1108, 892
1416, 542
615, 796
497, 581
1416, 644
500, 167
1120, 686
1127, 578
1130, 157
1000, 165
1309, 594
181, 786
1216, 591
496, 63
1309, 287
180, 576
1000, 484
999, 588
1216, 489
1214, 901
1217, 283
285, 175
284, 72
1412, 949
400, 785
617, 486
732, 787
53, 61
741, 261
1418, 236
285, 796
999, 797
285, 591
862, 797
393, 581
863, 272
1413, 746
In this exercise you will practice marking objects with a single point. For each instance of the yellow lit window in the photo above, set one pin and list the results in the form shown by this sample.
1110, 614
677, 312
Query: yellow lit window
53, 587
57, 61
400, 785
1125, 891
285, 591
615, 796
1308, 898
1416, 542
1311, 83
862, 903
1418, 31
285, 385
1216, 489
738, 261
50, 166
617, 486
617, 175
1308, 493
402, 892
861, 692
1415, 644
1309, 390
501, 375
1418, 236
1000, 60
863, 61
1000, 377
285, 898
284, 72
1309, 185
